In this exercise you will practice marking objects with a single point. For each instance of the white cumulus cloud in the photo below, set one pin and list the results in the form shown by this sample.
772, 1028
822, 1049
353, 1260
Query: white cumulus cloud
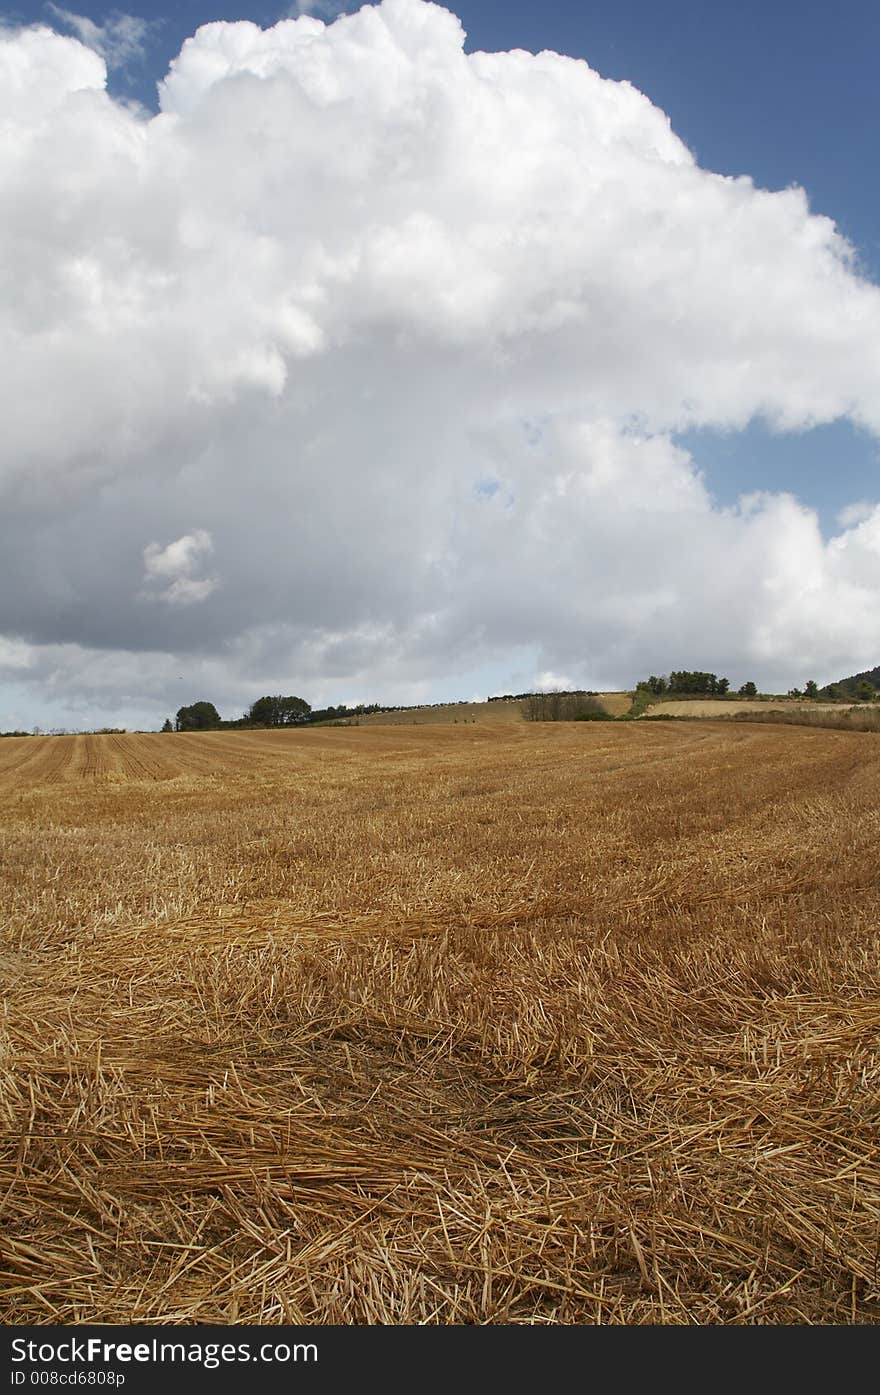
411, 332
174, 566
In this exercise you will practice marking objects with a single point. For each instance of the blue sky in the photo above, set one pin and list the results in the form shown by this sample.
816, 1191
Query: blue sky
783, 93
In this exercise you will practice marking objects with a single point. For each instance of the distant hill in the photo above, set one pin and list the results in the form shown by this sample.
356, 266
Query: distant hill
506, 708
849, 686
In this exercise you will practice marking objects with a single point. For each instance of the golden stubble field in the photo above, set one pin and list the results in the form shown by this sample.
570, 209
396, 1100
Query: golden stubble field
499, 1023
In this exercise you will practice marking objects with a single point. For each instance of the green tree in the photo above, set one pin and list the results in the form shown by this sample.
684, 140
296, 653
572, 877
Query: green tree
749, 689
563, 707
722, 686
278, 711
811, 689
656, 685
166, 725
865, 692
696, 681
199, 716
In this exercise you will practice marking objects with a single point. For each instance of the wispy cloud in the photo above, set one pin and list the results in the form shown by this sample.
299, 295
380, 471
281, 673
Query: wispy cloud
320, 9
120, 40
854, 514
14, 653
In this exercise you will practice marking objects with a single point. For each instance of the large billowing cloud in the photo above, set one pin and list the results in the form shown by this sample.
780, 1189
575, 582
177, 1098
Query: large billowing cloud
358, 366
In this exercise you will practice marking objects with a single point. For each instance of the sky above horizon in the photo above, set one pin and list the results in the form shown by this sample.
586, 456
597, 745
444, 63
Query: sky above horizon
412, 355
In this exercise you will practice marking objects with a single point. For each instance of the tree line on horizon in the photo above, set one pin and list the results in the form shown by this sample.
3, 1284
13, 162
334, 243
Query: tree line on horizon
686, 681
269, 711
695, 683
280, 711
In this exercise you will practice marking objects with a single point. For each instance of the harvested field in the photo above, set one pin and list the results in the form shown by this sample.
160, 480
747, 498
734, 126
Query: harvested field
445, 714
499, 1023
856, 717
729, 707
615, 703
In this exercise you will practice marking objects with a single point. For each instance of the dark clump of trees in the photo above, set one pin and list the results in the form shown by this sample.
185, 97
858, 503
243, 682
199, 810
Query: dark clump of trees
343, 713
199, 716
519, 697
563, 707
265, 712
278, 712
686, 681
809, 690
864, 686
695, 684
269, 711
